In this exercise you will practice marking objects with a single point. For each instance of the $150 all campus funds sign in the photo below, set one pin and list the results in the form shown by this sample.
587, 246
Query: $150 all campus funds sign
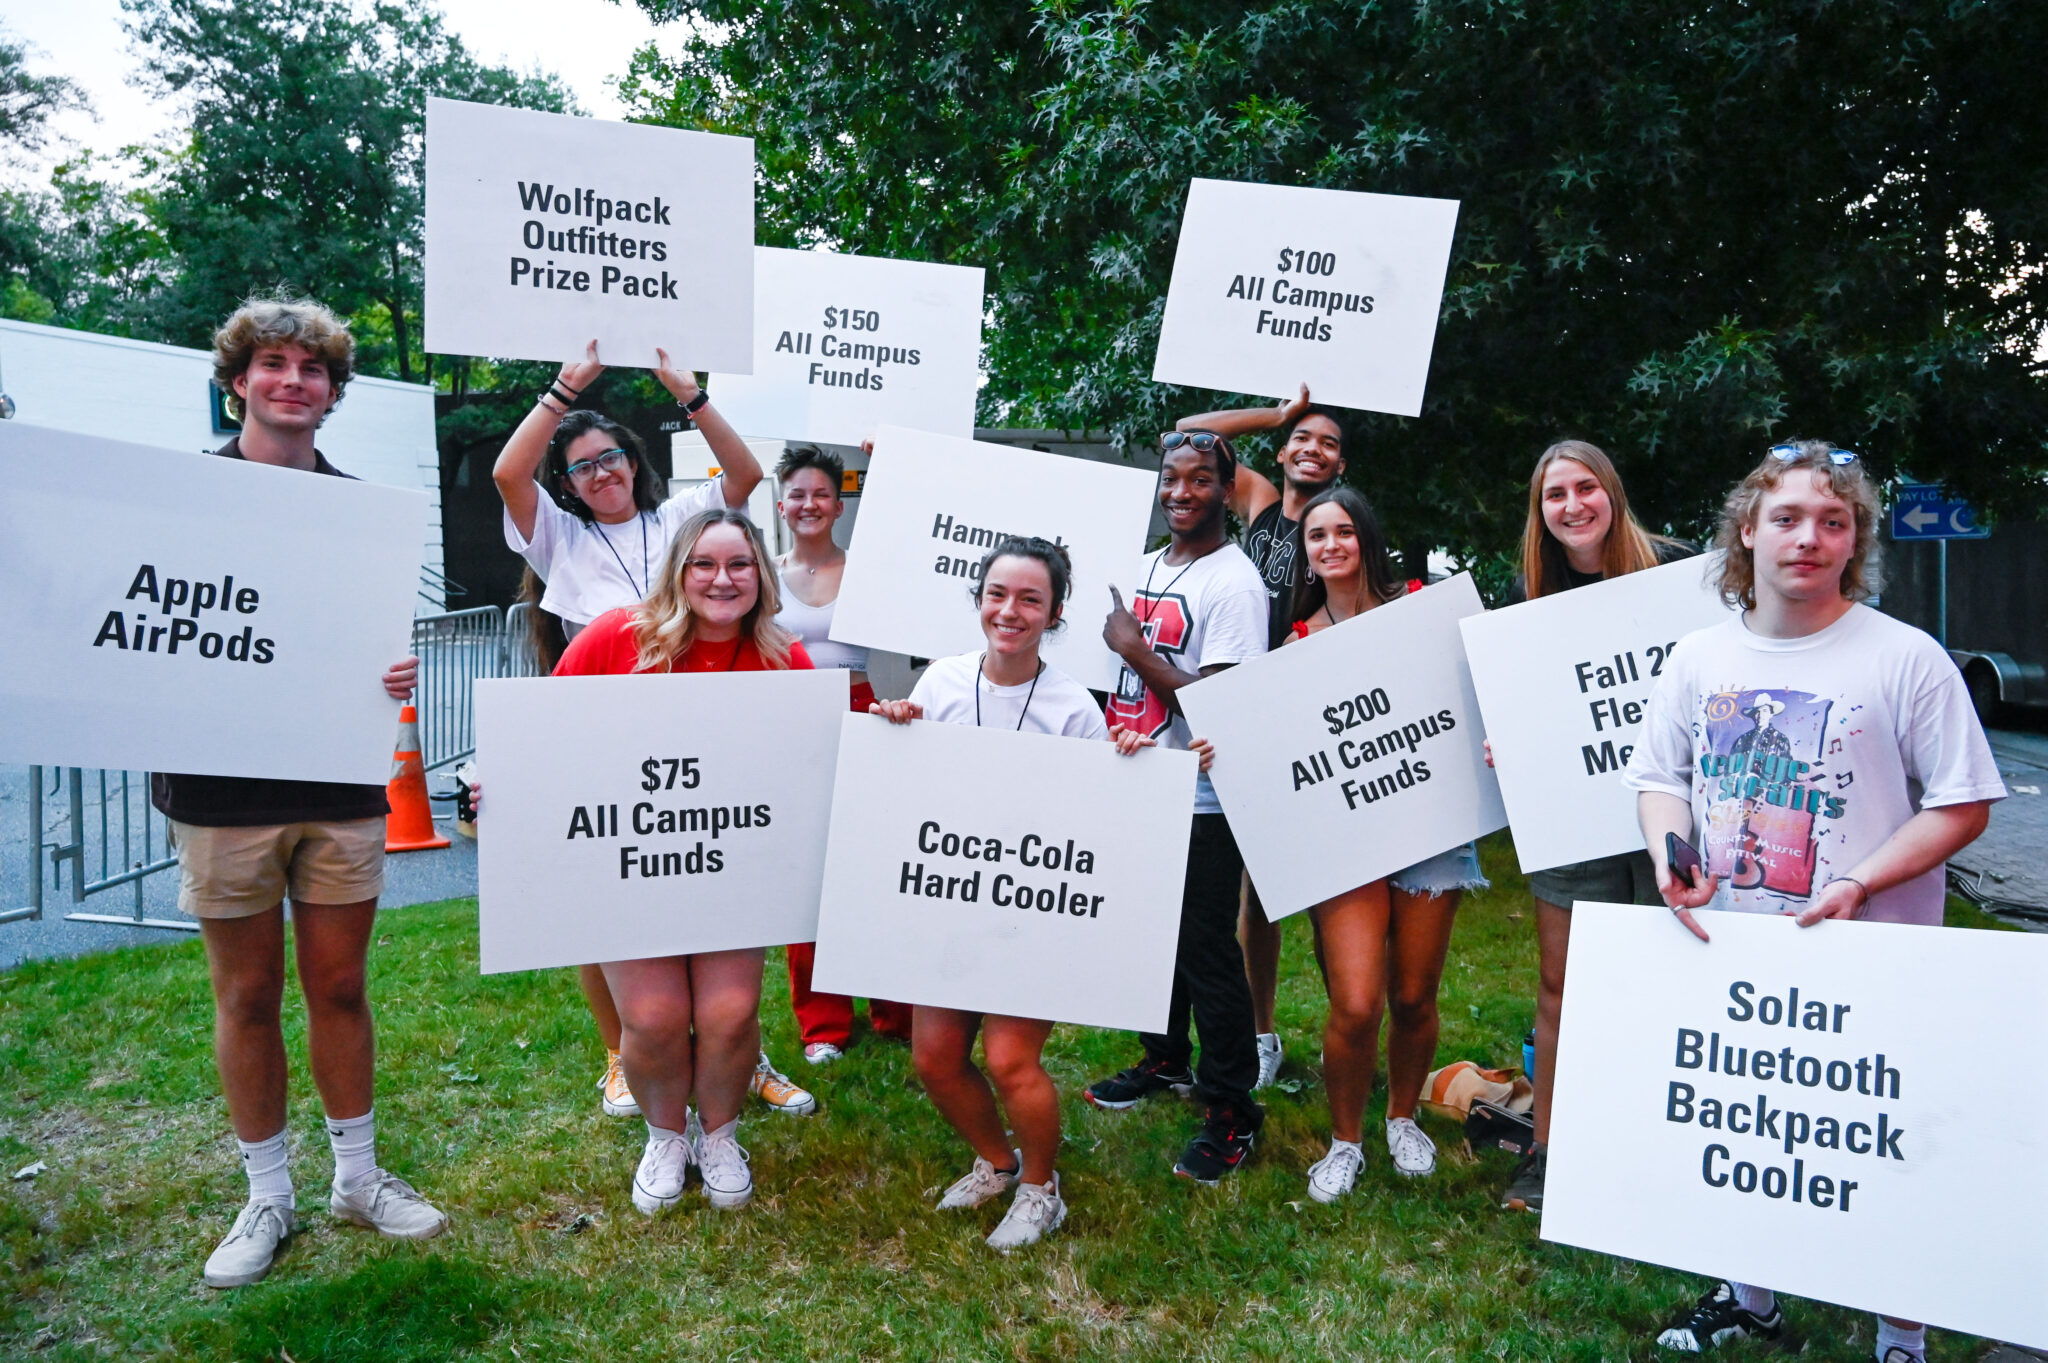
545, 231
1353, 753
652, 815
1826, 1111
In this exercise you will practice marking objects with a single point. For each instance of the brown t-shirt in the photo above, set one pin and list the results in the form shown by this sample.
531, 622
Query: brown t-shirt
247, 802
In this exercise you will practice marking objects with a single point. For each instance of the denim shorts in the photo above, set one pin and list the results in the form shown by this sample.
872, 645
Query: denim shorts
1457, 869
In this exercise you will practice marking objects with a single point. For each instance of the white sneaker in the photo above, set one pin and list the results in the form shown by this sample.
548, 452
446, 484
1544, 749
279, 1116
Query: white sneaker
1335, 1174
260, 1231
1414, 1153
1270, 1055
388, 1205
664, 1169
1036, 1213
821, 1053
981, 1183
727, 1182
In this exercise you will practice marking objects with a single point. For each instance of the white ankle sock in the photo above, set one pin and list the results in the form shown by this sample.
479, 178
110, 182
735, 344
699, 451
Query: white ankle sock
1758, 1301
354, 1141
1890, 1336
270, 1176
662, 1133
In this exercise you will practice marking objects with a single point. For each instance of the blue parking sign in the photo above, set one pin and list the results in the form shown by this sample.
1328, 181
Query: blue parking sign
1922, 511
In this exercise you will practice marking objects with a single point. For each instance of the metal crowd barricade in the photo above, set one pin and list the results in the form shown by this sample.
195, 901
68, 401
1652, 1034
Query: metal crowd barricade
521, 658
454, 650
117, 839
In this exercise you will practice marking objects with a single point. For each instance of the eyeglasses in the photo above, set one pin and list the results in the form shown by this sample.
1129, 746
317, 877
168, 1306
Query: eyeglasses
611, 461
708, 567
1785, 454
1203, 442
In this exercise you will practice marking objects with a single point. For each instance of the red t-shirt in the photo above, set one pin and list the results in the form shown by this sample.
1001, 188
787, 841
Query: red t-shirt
605, 648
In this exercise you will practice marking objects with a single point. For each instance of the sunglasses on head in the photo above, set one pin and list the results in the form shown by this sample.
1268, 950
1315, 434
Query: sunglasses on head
1785, 454
1202, 442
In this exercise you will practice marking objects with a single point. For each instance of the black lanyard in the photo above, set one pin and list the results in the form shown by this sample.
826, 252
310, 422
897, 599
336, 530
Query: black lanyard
645, 575
1152, 602
1027, 695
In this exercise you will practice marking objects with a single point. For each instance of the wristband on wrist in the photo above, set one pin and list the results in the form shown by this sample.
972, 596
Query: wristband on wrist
553, 404
1859, 885
563, 384
695, 404
562, 394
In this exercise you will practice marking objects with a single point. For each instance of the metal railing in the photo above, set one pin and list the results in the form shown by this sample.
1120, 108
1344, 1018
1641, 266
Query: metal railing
454, 650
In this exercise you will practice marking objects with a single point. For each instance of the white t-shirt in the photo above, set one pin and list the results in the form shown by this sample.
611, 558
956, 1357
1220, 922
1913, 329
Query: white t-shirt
813, 625
1059, 705
592, 568
1802, 756
1207, 613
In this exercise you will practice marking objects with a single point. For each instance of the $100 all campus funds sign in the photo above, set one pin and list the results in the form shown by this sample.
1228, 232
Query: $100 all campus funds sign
1826, 1111
652, 815
1353, 753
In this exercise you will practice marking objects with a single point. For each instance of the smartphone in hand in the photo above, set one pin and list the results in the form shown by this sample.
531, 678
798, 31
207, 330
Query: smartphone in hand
1683, 859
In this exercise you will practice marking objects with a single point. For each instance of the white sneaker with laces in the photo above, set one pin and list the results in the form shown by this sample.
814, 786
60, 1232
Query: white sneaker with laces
388, 1205
1336, 1173
1270, 1055
821, 1053
727, 1181
664, 1169
260, 1231
1036, 1213
1414, 1152
981, 1183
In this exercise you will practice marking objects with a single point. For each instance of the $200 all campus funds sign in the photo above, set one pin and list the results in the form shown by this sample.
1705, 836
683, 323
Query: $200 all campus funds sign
652, 815
1826, 1111
1348, 755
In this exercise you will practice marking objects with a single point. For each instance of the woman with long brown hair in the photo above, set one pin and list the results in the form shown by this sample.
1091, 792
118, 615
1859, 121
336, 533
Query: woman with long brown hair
690, 1025
1579, 531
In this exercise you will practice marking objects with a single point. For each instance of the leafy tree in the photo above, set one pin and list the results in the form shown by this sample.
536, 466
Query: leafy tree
303, 169
1685, 230
27, 100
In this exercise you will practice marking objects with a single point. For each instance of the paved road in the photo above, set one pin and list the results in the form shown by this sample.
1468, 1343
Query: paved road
2007, 861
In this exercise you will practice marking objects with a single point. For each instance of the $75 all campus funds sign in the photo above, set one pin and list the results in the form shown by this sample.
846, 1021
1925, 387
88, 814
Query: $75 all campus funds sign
652, 815
1353, 753
544, 231
1277, 285
191, 613
1805, 1109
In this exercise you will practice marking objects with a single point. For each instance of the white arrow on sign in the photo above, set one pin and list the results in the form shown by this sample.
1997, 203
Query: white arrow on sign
1919, 518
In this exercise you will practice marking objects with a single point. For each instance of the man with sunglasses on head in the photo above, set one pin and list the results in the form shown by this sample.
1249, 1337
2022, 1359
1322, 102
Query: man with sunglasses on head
1827, 755
596, 538
1313, 443
1199, 609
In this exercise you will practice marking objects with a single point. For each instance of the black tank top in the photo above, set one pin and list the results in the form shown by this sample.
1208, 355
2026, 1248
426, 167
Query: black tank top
1273, 544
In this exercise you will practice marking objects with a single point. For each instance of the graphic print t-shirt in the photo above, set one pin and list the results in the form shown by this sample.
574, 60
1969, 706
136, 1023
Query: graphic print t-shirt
1801, 756
1208, 613
1273, 544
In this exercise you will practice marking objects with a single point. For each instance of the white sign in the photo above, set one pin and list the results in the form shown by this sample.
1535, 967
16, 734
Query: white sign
1827, 1111
652, 815
1275, 286
932, 506
1563, 682
844, 345
192, 613
1353, 753
545, 231
1003, 872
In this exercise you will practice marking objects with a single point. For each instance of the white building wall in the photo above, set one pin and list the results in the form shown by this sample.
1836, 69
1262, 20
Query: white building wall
149, 394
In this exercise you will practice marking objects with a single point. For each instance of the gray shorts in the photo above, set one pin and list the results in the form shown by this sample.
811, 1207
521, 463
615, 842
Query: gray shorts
1457, 869
1626, 878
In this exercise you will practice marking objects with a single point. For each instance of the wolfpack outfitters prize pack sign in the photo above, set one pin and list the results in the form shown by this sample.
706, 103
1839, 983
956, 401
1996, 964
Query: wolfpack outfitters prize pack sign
544, 231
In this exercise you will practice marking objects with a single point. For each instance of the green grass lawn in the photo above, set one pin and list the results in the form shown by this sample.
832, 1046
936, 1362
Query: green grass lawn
486, 1102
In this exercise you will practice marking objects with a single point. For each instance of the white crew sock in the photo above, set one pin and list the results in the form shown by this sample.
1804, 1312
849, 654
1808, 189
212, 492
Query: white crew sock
1890, 1336
354, 1140
662, 1133
1758, 1301
270, 1176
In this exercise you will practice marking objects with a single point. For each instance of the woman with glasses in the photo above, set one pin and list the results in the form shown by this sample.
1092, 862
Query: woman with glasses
691, 1024
595, 539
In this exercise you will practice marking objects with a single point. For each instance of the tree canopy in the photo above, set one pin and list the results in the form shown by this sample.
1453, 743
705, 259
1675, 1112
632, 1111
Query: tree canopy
1685, 230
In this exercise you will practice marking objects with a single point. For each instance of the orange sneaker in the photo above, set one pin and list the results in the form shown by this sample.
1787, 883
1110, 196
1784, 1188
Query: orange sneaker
772, 1087
618, 1100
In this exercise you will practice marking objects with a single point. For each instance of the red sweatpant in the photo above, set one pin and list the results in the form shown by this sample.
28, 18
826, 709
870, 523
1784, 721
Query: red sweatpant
828, 1018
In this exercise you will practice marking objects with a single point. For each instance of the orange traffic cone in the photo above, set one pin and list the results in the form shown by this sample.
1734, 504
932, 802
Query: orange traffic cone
411, 826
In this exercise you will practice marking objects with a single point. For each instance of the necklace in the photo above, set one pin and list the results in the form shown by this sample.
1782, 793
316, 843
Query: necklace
978, 679
645, 574
1152, 602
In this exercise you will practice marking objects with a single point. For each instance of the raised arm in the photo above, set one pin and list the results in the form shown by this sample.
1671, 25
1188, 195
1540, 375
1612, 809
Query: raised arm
520, 460
736, 463
1253, 492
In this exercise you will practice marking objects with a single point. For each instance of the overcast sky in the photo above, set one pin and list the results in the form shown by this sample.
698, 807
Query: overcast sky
583, 41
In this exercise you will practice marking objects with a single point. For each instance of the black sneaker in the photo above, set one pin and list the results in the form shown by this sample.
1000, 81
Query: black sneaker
1715, 1319
1525, 1190
1220, 1146
1141, 1080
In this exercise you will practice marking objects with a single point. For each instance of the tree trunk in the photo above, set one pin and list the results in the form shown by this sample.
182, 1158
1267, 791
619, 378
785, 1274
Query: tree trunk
396, 305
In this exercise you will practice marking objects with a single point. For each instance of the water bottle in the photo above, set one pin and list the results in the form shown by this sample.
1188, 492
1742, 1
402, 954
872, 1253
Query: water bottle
1529, 1054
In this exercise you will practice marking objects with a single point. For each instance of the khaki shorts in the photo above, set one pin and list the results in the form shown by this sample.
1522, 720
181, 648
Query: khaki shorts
241, 872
